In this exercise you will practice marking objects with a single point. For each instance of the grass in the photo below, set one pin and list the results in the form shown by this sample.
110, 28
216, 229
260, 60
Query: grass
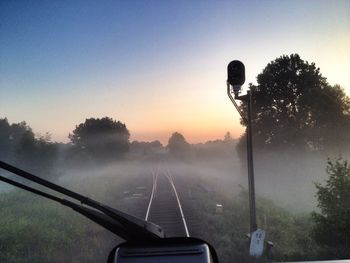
33, 229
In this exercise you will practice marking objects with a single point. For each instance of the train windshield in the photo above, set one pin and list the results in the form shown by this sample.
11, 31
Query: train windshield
204, 129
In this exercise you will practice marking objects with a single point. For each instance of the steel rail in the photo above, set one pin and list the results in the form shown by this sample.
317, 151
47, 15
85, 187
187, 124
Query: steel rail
178, 202
153, 209
154, 187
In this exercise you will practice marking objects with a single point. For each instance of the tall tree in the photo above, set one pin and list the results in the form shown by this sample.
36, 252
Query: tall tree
178, 146
332, 223
102, 139
295, 106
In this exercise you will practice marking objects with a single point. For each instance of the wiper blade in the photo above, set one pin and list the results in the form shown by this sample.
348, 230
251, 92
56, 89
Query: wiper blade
93, 215
131, 228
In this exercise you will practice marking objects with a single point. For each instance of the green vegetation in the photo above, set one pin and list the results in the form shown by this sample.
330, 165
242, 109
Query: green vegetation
296, 236
33, 230
332, 223
227, 231
37, 230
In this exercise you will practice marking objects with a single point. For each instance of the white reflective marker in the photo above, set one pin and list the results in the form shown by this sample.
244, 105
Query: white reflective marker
257, 243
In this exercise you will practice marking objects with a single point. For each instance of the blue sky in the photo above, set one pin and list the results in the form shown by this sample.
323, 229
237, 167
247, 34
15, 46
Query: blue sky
158, 66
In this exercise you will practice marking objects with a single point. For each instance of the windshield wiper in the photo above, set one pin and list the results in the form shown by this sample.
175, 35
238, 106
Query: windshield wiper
126, 226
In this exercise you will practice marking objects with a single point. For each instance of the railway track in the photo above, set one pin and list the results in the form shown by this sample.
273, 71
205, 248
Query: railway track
164, 207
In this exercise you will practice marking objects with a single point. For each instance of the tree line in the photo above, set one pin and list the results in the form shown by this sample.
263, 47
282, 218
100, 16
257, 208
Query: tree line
294, 109
97, 141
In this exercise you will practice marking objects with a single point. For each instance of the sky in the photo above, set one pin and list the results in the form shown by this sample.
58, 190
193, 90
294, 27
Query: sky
157, 66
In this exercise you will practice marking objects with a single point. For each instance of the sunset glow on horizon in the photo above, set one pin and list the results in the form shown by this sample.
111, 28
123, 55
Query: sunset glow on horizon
157, 66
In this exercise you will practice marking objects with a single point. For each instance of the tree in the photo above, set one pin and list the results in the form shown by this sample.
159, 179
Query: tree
102, 139
332, 224
5, 140
227, 137
37, 154
178, 146
10, 137
294, 106
19, 145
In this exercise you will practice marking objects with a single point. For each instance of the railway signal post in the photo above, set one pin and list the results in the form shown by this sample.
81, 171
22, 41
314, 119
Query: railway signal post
235, 80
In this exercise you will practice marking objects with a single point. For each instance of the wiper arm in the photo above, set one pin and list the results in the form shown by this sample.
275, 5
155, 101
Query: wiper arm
131, 228
93, 215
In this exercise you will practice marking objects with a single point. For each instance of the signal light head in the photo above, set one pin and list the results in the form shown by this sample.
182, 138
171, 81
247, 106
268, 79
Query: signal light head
236, 75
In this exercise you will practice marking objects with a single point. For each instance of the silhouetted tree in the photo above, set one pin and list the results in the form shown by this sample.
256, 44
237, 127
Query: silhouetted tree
332, 224
178, 146
102, 139
6, 144
10, 137
18, 145
294, 106
227, 137
37, 154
